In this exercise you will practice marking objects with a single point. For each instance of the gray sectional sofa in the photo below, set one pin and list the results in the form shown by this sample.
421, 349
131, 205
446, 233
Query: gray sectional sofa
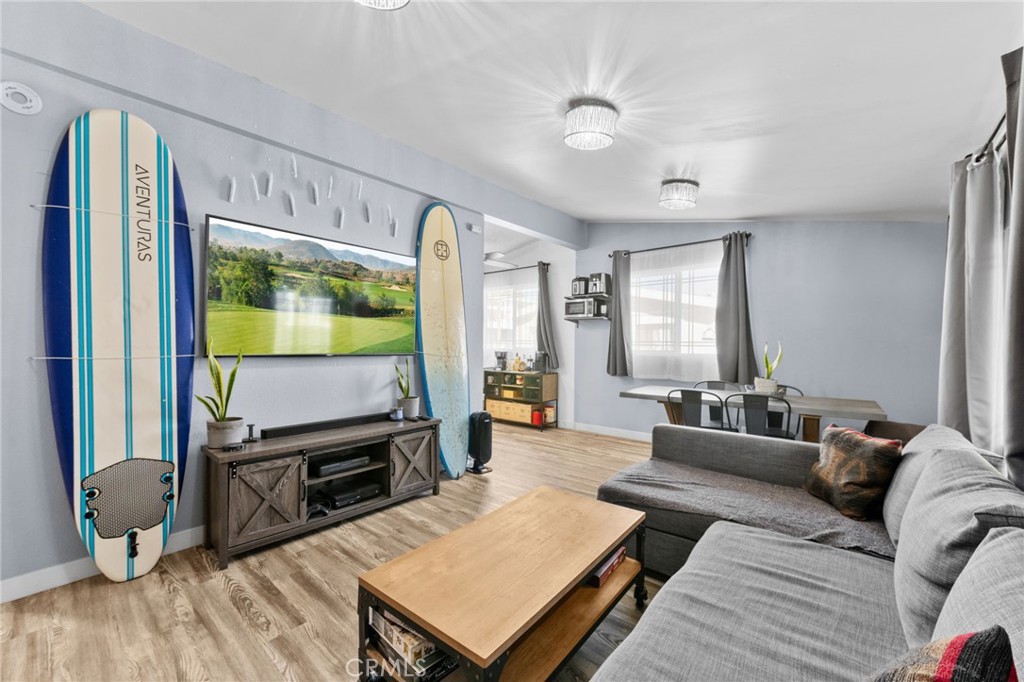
770, 583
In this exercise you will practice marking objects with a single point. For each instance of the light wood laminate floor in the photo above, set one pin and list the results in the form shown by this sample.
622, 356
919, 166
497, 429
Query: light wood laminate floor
288, 612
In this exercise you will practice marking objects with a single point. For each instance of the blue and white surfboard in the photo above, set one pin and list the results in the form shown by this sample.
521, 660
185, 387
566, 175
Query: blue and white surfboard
441, 333
119, 322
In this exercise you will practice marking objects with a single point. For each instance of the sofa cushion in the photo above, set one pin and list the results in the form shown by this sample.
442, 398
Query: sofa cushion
853, 471
957, 500
752, 604
971, 657
989, 591
664, 553
685, 500
916, 454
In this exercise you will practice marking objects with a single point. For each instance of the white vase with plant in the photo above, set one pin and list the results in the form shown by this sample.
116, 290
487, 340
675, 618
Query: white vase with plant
410, 404
222, 429
769, 384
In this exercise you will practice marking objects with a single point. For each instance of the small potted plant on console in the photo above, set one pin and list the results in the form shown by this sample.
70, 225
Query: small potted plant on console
222, 429
410, 404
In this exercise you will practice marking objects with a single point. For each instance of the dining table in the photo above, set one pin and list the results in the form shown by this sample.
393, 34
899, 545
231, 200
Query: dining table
810, 408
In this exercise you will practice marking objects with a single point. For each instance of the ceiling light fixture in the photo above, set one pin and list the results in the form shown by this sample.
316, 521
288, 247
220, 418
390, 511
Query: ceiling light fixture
590, 124
496, 259
678, 193
386, 5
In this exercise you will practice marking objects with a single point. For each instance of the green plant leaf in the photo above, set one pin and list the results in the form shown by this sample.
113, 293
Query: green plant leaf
403, 380
217, 377
769, 366
209, 406
231, 383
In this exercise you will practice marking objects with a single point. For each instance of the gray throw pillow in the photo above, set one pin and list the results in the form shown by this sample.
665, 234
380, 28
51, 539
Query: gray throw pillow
916, 453
989, 591
957, 500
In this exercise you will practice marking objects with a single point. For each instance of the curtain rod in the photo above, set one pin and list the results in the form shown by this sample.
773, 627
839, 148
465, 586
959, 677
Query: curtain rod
996, 131
521, 267
746, 235
991, 137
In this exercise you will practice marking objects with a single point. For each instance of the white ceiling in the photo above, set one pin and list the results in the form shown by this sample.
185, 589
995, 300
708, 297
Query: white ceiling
504, 239
780, 110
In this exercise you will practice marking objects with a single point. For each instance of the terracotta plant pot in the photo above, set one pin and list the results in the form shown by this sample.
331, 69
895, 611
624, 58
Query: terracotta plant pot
410, 406
219, 434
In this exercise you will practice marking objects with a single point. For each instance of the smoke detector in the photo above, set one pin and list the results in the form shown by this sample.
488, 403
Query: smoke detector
20, 98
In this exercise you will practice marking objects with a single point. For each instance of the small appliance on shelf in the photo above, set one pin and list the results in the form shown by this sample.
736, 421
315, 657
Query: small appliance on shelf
585, 309
579, 286
600, 283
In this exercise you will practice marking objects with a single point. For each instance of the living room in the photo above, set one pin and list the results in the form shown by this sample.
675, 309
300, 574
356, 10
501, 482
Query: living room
823, 132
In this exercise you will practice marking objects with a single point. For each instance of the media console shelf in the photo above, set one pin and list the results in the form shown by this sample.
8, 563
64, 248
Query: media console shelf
274, 489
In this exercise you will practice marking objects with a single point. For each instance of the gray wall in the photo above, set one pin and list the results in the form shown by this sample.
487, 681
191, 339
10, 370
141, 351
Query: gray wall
857, 307
218, 123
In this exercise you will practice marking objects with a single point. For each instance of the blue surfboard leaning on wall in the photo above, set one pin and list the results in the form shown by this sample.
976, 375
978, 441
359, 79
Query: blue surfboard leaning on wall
118, 298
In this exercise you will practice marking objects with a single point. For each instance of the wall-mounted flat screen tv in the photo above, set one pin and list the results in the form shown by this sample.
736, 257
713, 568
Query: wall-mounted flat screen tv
271, 292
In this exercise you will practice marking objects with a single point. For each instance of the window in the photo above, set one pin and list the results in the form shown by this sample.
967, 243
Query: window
674, 293
510, 313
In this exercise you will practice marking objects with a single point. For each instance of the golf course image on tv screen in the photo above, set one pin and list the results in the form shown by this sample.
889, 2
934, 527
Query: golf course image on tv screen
271, 292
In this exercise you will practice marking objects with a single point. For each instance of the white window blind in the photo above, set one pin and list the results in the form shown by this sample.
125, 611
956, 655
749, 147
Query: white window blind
674, 294
510, 313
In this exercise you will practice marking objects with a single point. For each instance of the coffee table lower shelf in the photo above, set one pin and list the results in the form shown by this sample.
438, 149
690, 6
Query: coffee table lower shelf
548, 645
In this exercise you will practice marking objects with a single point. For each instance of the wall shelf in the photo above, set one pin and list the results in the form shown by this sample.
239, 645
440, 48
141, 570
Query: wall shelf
603, 297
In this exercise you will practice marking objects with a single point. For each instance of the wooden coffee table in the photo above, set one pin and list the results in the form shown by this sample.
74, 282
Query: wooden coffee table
505, 594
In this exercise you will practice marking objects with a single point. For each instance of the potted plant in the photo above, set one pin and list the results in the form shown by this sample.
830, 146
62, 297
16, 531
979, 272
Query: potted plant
222, 429
410, 404
768, 384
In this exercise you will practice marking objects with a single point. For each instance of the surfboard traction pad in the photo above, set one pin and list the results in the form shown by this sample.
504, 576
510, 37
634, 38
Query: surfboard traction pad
140, 490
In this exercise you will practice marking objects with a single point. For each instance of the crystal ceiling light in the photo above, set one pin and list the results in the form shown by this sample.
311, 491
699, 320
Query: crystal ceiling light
678, 193
590, 124
384, 4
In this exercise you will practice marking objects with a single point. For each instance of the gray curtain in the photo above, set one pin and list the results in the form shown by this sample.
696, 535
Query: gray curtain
970, 394
1014, 402
545, 327
734, 340
981, 365
620, 353
953, 405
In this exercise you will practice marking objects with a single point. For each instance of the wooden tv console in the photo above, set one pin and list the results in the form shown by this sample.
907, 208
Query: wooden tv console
265, 493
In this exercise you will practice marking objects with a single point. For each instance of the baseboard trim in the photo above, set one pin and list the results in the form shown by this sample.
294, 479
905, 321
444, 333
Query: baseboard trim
63, 574
644, 436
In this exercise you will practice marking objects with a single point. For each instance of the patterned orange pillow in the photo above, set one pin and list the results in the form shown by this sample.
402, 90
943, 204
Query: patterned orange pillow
853, 471
974, 657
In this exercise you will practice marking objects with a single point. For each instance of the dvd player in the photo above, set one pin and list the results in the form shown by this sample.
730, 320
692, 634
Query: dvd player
343, 496
329, 467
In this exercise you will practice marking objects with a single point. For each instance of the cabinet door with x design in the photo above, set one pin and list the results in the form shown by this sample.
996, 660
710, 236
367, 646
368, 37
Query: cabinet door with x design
265, 498
413, 461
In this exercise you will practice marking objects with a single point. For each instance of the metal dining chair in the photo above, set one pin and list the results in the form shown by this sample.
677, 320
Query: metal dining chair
775, 418
756, 408
686, 408
714, 412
